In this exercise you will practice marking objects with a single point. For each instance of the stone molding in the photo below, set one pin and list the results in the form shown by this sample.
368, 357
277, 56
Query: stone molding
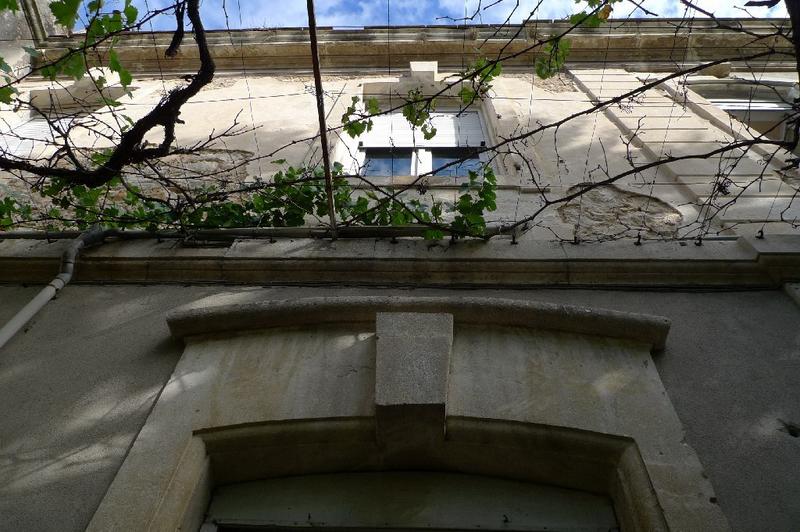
301, 393
205, 317
627, 41
738, 263
601, 463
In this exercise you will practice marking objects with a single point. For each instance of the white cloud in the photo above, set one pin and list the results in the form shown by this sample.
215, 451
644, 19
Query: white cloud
720, 8
292, 13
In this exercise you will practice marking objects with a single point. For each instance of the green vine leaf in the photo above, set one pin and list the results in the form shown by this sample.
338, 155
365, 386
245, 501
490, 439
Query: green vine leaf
74, 66
131, 13
417, 110
33, 52
478, 197
555, 57
7, 94
587, 20
65, 12
356, 123
480, 76
372, 106
114, 64
9, 4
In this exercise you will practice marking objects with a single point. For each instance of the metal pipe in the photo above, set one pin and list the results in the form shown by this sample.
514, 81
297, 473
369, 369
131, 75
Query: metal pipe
323, 128
68, 259
358, 231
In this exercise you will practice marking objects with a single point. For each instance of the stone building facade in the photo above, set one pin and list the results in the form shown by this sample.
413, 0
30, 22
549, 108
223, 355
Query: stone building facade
553, 377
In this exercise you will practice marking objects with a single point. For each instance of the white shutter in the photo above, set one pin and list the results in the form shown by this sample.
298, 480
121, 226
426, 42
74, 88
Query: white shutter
22, 142
389, 131
452, 130
31, 138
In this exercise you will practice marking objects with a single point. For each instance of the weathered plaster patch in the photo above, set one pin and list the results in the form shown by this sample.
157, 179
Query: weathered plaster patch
605, 213
13, 187
222, 168
213, 164
557, 83
221, 83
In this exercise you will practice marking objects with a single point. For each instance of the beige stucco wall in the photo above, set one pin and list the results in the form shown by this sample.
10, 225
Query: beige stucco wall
277, 119
73, 403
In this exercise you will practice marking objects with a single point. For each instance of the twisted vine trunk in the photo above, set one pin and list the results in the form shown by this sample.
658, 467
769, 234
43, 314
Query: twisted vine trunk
130, 149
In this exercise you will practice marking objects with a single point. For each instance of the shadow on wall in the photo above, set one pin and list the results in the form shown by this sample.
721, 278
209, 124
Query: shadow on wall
76, 389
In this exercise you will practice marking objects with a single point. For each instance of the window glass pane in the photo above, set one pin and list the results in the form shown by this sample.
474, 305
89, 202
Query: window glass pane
471, 161
387, 162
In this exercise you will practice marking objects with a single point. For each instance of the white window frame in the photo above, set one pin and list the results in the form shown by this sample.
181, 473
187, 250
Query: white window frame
749, 101
354, 152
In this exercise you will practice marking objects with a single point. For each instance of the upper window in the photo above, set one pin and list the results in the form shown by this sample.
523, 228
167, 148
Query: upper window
393, 148
763, 104
30, 139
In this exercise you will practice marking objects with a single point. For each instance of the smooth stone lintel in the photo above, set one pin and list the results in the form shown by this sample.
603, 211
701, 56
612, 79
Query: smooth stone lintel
218, 314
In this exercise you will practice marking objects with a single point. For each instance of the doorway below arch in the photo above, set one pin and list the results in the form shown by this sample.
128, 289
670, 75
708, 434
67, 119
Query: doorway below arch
406, 500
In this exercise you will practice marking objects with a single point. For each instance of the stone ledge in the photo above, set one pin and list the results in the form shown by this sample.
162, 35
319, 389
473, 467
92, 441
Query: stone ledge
209, 317
752, 263
274, 49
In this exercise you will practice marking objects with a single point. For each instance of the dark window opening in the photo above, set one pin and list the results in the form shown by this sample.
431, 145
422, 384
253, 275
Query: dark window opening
469, 161
380, 162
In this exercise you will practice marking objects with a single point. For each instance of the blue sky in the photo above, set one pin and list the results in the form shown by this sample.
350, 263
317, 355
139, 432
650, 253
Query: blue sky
343, 13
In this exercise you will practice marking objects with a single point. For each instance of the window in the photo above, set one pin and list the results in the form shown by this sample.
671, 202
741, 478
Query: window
31, 138
387, 162
393, 148
405, 500
455, 162
765, 117
763, 104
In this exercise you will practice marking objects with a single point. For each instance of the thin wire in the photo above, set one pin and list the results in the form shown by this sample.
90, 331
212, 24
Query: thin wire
530, 115
155, 49
163, 86
247, 86
780, 180
667, 130
586, 172
391, 105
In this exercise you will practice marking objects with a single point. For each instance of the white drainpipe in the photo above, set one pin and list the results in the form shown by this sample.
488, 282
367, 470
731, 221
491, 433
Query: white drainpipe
94, 235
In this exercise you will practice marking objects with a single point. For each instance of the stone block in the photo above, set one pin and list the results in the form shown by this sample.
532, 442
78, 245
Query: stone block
411, 371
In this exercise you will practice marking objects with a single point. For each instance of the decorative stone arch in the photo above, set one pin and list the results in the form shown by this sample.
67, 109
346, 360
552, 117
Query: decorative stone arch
362, 384
545, 455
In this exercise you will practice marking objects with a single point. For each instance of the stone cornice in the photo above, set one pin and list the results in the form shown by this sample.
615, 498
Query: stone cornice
656, 42
741, 263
